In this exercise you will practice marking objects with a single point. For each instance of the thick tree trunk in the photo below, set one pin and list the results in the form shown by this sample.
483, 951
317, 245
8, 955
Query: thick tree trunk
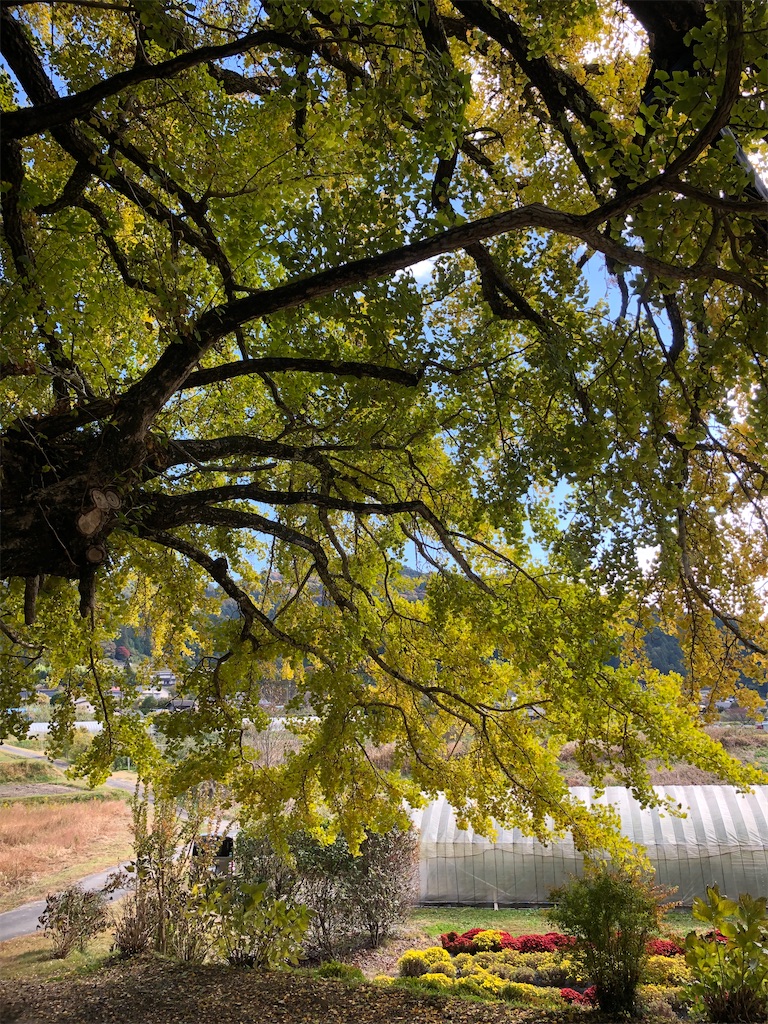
60, 500
667, 24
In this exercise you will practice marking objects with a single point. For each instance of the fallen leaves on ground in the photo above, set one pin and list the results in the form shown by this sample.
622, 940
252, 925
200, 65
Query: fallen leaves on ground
152, 991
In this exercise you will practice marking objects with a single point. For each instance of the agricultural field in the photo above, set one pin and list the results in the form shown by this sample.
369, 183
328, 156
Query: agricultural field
744, 742
54, 831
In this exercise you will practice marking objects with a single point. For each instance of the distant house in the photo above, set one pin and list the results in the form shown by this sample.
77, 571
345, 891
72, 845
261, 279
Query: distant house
160, 692
47, 691
179, 704
163, 677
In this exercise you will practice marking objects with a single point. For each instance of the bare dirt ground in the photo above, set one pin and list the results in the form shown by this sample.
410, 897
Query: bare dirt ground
21, 790
383, 960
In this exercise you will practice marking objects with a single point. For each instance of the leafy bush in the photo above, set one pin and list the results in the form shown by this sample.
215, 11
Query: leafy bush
666, 970
383, 880
558, 969
531, 996
445, 967
436, 980
586, 998
164, 902
480, 983
258, 861
652, 997
523, 975
250, 928
544, 969
479, 939
612, 913
663, 947
135, 928
489, 975
71, 918
730, 974
344, 972
347, 895
188, 938
416, 962
573, 969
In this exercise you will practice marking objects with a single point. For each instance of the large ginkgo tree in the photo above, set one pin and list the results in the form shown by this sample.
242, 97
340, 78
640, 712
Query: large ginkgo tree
296, 298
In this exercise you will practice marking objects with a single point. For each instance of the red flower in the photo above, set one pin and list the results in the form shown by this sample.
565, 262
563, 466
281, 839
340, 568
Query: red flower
663, 947
586, 998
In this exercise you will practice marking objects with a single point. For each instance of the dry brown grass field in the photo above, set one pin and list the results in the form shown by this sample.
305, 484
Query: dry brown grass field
48, 841
746, 743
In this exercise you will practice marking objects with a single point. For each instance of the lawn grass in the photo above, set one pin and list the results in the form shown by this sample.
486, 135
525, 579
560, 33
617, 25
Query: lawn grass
435, 921
29, 957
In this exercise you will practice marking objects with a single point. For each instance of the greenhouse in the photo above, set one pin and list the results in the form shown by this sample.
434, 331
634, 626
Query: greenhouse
722, 839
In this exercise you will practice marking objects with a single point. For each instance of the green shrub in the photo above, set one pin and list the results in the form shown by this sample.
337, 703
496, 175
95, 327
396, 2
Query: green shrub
250, 928
419, 988
481, 983
164, 900
517, 959
491, 961
567, 971
464, 962
382, 885
344, 972
258, 861
522, 975
412, 964
612, 913
347, 895
558, 970
445, 967
730, 976
71, 918
469, 967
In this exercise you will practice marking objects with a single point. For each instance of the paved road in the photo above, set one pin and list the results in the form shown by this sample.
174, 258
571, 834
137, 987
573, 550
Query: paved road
23, 920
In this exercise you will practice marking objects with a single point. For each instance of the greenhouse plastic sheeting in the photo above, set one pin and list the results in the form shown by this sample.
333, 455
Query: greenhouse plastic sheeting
722, 839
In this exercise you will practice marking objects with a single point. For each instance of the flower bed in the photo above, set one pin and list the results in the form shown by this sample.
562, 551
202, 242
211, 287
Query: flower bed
533, 970
478, 940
